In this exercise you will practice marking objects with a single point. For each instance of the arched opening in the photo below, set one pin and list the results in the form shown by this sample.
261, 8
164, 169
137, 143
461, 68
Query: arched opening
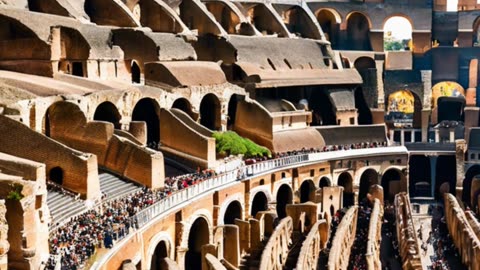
232, 110
358, 32
298, 23
405, 109
467, 184
307, 191
345, 180
159, 18
184, 105
364, 113
446, 172
391, 183
210, 112
259, 203
419, 176
107, 112
284, 197
46, 123
369, 177
56, 175
161, 252
397, 34
198, 236
148, 110
322, 108
225, 16
329, 21
135, 70
264, 21
234, 211
324, 182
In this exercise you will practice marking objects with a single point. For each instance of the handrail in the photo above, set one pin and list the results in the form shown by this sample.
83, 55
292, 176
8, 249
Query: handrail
164, 205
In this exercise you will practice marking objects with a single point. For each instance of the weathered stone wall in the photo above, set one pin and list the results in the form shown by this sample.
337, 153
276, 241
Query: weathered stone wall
316, 240
462, 233
375, 237
406, 233
276, 251
343, 240
80, 170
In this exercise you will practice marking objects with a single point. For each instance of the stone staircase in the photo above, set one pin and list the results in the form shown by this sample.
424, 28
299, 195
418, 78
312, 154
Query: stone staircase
251, 261
114, 187
63, 207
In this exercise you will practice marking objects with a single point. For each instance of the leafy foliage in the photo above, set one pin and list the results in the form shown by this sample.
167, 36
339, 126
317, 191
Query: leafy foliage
230, 143
393, 45
15, 193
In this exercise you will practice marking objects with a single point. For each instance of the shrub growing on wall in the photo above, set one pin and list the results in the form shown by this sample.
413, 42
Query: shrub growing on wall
230, 143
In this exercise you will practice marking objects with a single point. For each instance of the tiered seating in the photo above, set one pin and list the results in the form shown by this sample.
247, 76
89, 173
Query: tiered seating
63, 206
114, 187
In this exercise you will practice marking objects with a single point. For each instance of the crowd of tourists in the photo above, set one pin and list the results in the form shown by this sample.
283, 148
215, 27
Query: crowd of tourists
445, 256
78, 239
359, 247
389, 236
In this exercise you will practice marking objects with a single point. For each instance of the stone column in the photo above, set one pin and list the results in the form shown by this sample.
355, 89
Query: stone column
402, 136
460, 147
427, 102
380, 86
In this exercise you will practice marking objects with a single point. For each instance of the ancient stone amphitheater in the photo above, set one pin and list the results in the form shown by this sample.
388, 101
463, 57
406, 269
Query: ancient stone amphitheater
111, 112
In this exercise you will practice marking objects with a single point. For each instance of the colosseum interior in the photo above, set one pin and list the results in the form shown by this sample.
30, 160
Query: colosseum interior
239, 134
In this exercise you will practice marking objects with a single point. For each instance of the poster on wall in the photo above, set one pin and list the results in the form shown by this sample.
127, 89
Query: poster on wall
401, 106
446, 89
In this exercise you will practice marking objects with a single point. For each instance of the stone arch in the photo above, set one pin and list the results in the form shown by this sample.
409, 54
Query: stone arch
253, 193
210, 112
284, 197
60, 116
399, 18
184, 105
153, 253
324, 182
368, 178
297, 21
417, 107
224, 15
135, 72
259, 203
346, 181
307, 191
390, 188
329, 20
148, 110
232, 109
158, 16
236, 197
364, 62
467, 183
199, 235
107, 112
358, 31
264, 20
233, 211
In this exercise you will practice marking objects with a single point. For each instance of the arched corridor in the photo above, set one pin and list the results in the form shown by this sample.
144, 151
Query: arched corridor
107, 112
307, 191
368, 178
345, 180
358, 32
148, 110
135, 69
329, 21
391, 183
259, 203
284, 197
56, 175
184, 105
159, 254
210, 112
232, 110
324, 182
234, 211
419, 176
198, 236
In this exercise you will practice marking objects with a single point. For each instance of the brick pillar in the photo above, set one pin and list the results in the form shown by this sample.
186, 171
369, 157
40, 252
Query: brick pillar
427, 102
460, 146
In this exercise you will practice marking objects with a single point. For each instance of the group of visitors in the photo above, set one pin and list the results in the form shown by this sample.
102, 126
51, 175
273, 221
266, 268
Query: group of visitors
445, 254
392, 259
359, 247
78, 239
329, 148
